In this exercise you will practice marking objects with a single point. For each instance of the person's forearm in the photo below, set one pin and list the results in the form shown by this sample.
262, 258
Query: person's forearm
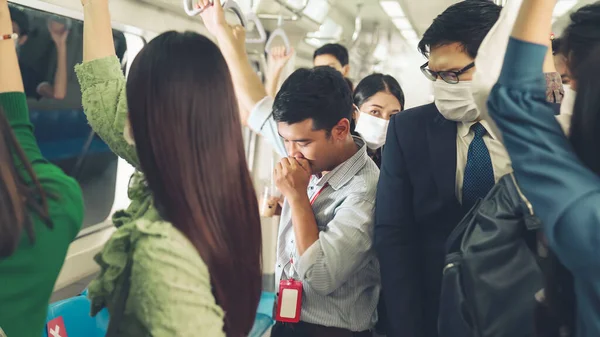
272, 81
10, 78
534, 21
60, 78
97, 31
304, 222
248, 86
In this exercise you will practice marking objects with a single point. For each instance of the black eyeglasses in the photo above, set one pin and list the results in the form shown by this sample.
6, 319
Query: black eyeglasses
450, 77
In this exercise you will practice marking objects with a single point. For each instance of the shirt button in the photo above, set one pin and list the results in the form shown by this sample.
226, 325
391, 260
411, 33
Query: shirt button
312, 187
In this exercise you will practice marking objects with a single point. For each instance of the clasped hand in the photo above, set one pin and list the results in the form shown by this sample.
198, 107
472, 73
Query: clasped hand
292, 176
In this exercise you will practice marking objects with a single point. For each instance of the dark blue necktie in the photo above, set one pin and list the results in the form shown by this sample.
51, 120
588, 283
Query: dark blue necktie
479, 173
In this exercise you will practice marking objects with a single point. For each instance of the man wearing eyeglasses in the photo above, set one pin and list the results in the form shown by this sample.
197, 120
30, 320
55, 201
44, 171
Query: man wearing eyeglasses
439, 159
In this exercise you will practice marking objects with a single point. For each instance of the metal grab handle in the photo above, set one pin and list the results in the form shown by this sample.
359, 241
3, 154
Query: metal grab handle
281, 33
231, 5
259, 28
188, 6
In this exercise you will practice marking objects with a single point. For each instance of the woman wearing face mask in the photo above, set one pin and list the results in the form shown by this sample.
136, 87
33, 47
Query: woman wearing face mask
377, 98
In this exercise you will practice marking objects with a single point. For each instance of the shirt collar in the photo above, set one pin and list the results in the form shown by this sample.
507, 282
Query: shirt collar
342, 174
465, 127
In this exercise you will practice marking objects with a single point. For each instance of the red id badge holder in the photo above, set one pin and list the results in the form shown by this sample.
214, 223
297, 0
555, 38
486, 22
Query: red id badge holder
289, 301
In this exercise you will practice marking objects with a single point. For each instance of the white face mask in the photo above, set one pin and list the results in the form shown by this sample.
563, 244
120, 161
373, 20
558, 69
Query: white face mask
566, 109
455, 101
568, 102
372, 129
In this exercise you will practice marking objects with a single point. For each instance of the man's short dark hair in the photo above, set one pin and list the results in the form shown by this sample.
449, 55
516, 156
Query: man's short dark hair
467, 22
334, 49
320, 94
20, 18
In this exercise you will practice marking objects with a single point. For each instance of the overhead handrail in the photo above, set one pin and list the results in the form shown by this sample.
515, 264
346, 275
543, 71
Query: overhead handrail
259, 28
230, 5
324, 39
294, 17
279, 32
298, 11
188, 7
294, 10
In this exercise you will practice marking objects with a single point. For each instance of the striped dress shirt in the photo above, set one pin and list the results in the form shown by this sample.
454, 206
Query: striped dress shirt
340, 272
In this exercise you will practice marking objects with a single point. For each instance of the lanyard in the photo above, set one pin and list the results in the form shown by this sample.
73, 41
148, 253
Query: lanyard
314, 198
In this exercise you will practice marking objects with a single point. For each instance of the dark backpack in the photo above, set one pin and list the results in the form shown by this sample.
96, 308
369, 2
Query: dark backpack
491, 273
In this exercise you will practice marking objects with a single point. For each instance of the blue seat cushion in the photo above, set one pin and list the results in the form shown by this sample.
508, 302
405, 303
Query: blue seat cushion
75, 313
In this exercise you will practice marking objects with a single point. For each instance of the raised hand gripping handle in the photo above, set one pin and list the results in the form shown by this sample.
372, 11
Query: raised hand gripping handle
281, 33
188, 6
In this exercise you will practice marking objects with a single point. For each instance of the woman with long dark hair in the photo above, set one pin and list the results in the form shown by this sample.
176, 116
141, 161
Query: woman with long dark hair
377, 98
560, 175
41, 208
185, 260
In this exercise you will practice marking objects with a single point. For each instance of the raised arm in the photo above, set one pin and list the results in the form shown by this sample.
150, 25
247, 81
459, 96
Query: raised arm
248, 86
534, 21
10, 80
14, 104
255, 106
102, 81
97, 31
58, 90
278, 58
12, 96
565, 194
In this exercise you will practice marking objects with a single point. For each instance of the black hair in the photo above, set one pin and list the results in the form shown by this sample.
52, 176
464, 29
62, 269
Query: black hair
350, 84
585, 123
367, 88
580, 36
176, 83
336, 50
320, 94
556, 44
580, 43
20, 18
467, 22
375, 83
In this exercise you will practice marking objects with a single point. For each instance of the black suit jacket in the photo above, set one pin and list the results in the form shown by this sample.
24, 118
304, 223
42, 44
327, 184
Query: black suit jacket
417, 209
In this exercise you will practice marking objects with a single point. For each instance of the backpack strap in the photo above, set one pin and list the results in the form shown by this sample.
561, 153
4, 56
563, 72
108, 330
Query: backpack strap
119, 310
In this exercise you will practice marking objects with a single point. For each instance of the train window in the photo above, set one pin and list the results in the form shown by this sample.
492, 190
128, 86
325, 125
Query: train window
47, 56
